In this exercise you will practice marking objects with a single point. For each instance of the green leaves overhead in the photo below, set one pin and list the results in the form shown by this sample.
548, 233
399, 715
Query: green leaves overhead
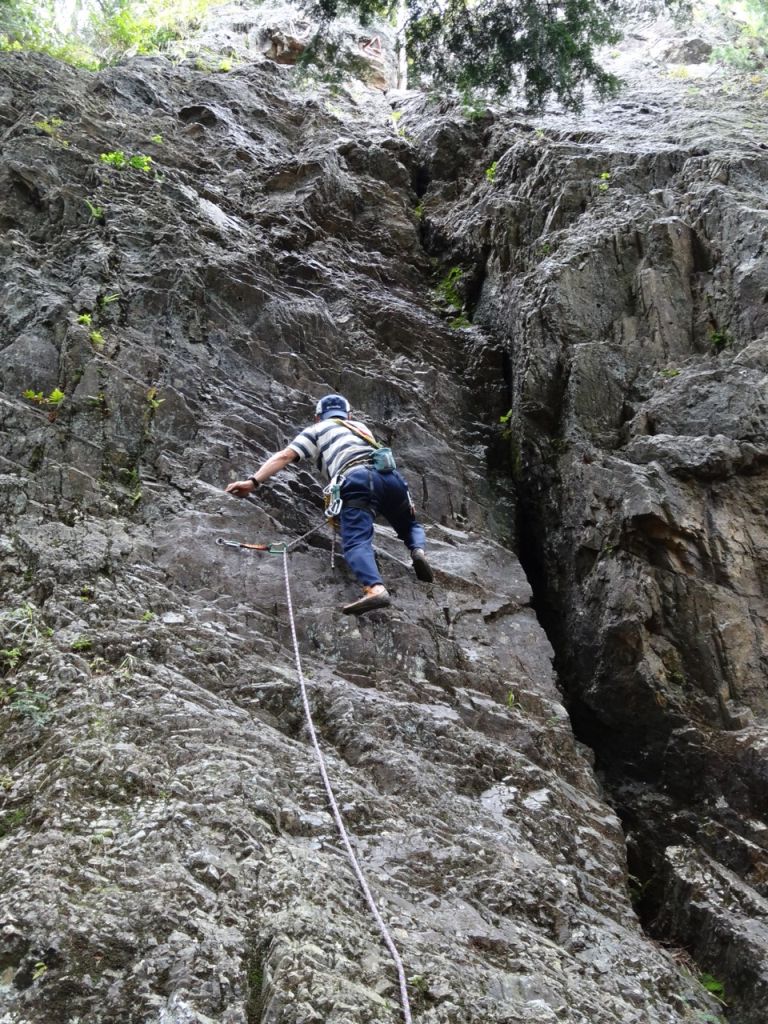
111, 30
542, 48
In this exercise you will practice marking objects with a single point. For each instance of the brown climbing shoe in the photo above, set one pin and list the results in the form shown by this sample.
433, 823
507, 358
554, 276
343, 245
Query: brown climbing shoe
421, 566
373, 597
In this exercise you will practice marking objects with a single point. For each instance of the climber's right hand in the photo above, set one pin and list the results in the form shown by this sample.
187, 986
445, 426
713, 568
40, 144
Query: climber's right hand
241, 488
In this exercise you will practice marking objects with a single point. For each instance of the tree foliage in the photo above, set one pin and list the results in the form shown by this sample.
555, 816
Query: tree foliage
747, 20
111, 30
543, 47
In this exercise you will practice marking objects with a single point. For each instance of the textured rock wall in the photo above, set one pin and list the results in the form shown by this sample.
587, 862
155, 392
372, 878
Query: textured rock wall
167, 852
618, 262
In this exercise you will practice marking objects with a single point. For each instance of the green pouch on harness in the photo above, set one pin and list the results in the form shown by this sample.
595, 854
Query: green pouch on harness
384, 460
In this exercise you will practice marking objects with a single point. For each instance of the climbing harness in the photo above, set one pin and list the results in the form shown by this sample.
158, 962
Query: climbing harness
284, 550
369, 897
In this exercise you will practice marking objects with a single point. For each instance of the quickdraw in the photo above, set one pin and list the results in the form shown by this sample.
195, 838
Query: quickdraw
277, 547
272, 549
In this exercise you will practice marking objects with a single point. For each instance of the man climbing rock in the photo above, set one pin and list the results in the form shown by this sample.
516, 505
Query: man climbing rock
362, 476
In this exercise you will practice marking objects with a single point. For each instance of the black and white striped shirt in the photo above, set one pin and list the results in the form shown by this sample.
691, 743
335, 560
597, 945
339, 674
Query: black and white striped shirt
332, 446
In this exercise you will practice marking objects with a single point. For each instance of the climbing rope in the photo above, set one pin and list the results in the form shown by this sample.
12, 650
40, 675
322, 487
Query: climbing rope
388, 940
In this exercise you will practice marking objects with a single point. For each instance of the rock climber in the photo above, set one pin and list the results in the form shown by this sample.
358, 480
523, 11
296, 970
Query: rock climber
344, 451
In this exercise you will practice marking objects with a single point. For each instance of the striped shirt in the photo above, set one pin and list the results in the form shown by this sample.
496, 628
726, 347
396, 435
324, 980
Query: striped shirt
332, 446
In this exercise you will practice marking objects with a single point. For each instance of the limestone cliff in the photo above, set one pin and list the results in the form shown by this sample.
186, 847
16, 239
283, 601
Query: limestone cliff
168, 855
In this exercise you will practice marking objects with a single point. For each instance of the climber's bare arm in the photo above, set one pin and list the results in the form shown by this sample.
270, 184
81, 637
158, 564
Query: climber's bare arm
273, 465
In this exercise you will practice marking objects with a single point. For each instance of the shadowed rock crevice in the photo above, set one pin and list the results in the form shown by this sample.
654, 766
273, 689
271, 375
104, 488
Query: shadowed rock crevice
638, 432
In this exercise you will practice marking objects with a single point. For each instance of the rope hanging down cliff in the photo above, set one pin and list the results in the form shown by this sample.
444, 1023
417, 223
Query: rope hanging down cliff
388, 940
284, 550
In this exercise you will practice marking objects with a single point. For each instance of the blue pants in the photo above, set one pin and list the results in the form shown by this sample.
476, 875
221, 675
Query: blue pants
381, 493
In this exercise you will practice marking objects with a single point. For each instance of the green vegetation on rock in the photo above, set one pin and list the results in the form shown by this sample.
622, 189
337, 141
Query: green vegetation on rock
111, 30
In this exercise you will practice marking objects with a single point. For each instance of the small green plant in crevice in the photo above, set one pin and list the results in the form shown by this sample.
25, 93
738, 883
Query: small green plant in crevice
50, 127
511, 700
447, 288
55, 398
86, 319
153, 398
140, 162
9, 820
676, 677
22, 632
225, 65
459, 322
395, 117
714, 987
118, 160
96, 338
157, 139
39, 970
148, 616
107, 300
26, 703
604, 184
490, 172
720, 340
669, 372
505, 422
544, 249
96, 211
10, 658
81, 643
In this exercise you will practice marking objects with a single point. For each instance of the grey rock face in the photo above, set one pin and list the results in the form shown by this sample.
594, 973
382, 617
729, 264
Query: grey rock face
167, 851
618, 262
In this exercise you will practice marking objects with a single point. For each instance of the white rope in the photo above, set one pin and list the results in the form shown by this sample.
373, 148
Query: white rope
388, 940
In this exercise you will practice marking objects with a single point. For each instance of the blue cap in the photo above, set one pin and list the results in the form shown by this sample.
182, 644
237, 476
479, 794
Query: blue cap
333, 405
